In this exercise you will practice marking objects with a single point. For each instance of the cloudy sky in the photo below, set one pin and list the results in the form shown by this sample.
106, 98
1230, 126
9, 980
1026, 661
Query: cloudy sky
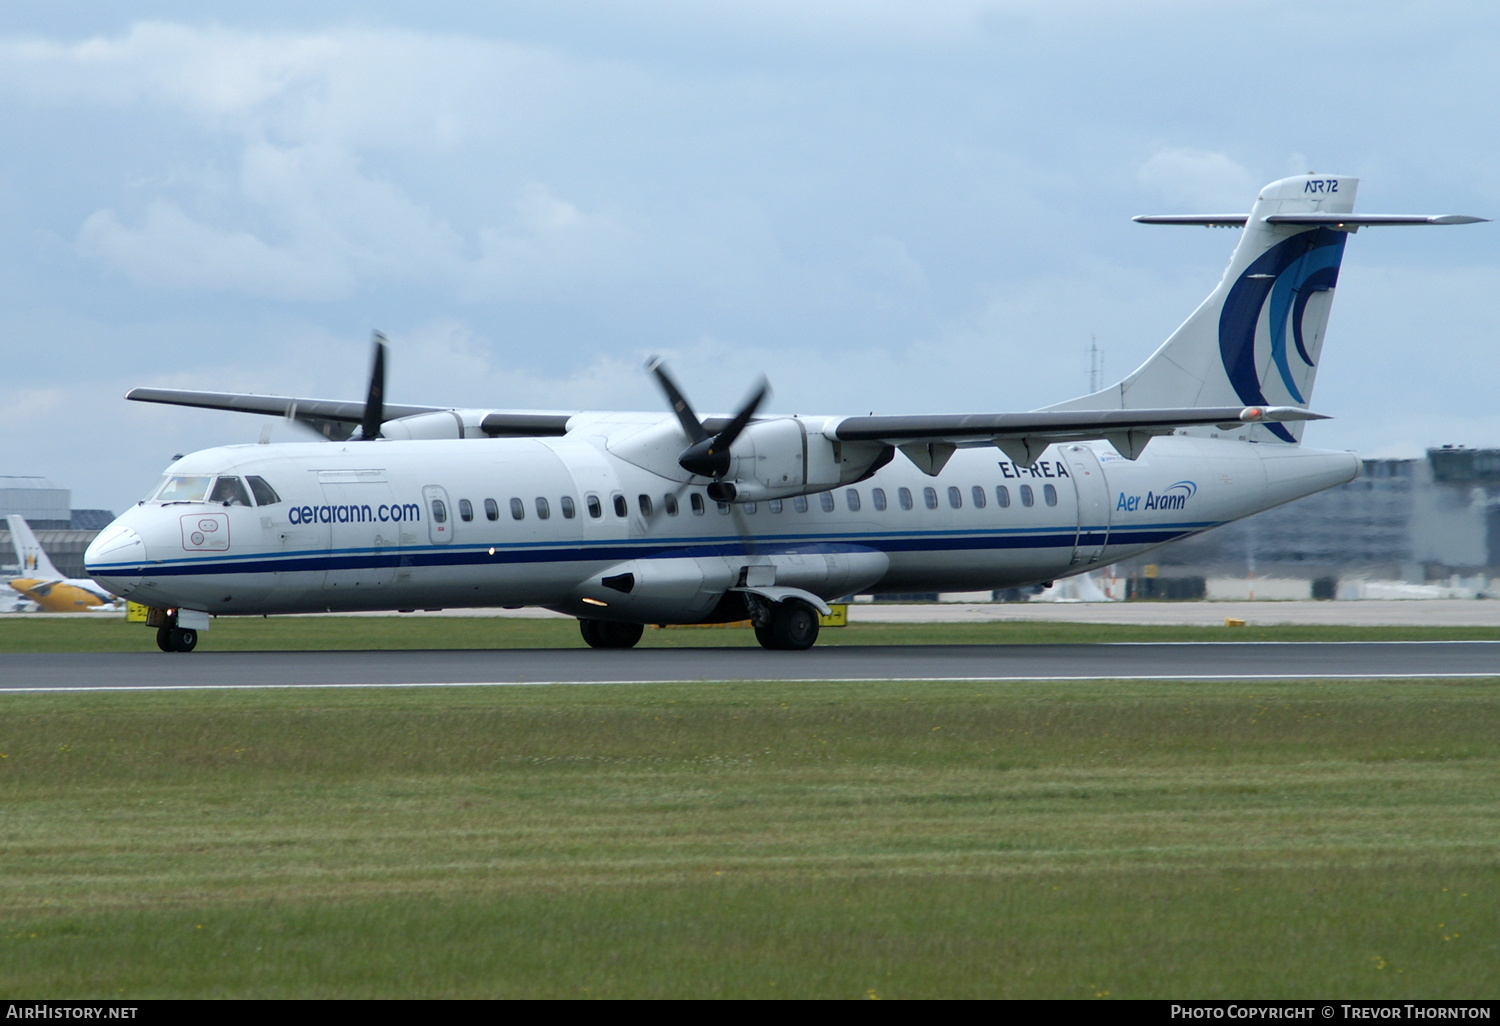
884, 206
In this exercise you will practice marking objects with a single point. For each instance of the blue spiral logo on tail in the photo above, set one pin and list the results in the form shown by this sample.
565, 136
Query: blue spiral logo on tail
1283, 278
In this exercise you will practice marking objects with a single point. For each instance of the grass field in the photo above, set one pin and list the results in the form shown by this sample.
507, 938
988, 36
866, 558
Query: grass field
99, 633
884, 840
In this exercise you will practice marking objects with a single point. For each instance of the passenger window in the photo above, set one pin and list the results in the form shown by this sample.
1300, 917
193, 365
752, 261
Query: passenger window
265, 495
929, 496
799, 503
621, 509
955, 497
491, 509
1002, 495
774, 505
569, 508
543, 509
904, 495
825, 499
645, 502
517, 509
696, 501
978, 493
851, 496
439, 511
1027, 497
230, 492
1049, 494
877, 498
596, 508
465, 510
723, 508
749, 507
669, 503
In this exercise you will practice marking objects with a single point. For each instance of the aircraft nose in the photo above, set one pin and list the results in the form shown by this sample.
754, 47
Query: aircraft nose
116, 559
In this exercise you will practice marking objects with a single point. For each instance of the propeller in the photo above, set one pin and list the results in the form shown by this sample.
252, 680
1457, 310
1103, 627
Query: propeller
707, 455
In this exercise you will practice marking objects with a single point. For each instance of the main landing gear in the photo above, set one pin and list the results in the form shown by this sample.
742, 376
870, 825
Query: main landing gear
789, 625
606, 634
176, 639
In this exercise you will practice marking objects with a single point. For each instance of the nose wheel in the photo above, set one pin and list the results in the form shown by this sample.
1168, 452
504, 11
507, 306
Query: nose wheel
176, 639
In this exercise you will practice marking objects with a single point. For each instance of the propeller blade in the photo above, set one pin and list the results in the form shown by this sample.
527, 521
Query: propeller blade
369, 425
729, 434
710, 457
691, 425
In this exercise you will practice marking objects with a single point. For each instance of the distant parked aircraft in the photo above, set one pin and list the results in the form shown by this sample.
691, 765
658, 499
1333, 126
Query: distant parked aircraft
41, 583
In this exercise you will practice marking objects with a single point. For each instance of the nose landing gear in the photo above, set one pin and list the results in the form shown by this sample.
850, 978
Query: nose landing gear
176, 639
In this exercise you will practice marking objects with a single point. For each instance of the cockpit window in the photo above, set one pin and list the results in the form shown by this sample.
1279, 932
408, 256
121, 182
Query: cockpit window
183, 488
230, 491
265, 495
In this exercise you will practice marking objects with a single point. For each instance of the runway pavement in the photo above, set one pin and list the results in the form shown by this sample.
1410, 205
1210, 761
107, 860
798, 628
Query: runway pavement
1216, 661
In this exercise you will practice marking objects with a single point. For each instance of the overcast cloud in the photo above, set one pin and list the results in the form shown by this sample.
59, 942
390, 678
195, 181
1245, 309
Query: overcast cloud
882, 206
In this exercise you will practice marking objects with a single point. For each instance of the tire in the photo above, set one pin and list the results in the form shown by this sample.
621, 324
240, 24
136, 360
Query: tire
164, 639
793, 627
604, 634
184, 639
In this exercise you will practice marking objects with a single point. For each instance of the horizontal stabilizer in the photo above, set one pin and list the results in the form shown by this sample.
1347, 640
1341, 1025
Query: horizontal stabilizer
1207, 220
1345, 222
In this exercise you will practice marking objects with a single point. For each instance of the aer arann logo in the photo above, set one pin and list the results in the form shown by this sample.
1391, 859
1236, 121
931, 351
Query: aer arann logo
1174, 496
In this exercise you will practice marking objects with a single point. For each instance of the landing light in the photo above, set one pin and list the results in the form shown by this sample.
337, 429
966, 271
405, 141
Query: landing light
595, 602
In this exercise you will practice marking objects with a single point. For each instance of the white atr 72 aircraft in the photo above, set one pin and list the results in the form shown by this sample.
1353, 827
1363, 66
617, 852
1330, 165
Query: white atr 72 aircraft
625, 519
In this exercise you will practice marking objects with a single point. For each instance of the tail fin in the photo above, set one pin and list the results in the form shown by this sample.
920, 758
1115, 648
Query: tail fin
1256, 340
29, 555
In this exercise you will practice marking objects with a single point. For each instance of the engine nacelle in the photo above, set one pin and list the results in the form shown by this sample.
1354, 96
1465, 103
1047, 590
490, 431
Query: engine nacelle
443, 424
777, 459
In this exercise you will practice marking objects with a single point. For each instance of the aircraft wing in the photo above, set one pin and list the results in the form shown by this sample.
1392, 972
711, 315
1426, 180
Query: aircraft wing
930, 440
336, 419
331, 418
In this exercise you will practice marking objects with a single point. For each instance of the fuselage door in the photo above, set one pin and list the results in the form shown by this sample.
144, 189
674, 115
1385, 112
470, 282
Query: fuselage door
364, 528
439, 513
1093, 504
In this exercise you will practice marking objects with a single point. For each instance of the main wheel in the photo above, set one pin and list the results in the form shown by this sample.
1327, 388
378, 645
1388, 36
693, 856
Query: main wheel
604, 634
793, 627
184, 639
164, 639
